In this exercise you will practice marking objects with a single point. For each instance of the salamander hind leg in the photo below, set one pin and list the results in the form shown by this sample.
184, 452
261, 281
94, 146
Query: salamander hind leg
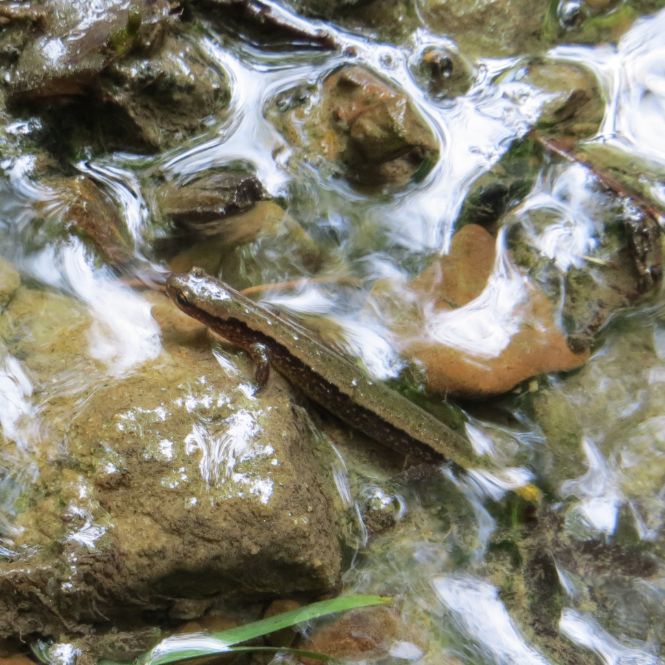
260, 354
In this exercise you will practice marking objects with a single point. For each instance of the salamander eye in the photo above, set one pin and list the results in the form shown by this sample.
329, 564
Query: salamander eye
181, 299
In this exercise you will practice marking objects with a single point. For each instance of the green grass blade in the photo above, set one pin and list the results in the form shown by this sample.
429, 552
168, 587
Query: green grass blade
316, 655
183, 647
325, 658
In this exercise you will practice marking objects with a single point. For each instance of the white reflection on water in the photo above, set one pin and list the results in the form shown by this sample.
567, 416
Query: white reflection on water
245, 136
373, 345
63, 653
633, 76
485, 326
123, 333
310, 300
570, 232
359, 336
586, 632
194, 643
496, 484
480, 440
474, 130
598, 492
484, 522
17, 411
125, 188
479, 613
220, 453
89, 532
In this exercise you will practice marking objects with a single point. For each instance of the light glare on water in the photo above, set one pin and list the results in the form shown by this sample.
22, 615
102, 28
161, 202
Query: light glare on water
526, 563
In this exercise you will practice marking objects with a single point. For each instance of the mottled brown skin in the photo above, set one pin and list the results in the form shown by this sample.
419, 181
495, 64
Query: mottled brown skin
323, 374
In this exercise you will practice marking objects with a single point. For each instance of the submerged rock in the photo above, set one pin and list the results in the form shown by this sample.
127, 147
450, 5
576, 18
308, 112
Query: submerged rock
81, 207
328, 9
389, 20
365, 635
443, 72
470, 291
201, 206
264, 239
596, 250
173, 483
162, 97
575, 107
366, 126
379, 135
76, 42
499, 27
479, 326
10, 280
266, 24
145, 86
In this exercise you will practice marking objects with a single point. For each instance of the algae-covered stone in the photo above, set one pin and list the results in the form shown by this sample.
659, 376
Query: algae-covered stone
575, 106
498, 27
177, 482
113, 75
10, 280
76, 41
162, 97
262, 244
47, 331
367, 127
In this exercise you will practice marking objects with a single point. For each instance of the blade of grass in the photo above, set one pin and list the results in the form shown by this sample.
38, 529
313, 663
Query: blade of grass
316, 655
181, 647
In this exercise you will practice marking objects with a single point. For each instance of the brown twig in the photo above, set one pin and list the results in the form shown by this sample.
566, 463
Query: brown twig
609, 181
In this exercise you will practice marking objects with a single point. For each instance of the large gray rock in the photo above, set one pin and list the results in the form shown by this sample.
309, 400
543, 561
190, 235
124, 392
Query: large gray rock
174, 483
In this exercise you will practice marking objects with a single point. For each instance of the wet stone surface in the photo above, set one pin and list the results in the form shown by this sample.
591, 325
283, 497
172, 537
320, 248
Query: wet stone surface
509, 26
175, 483
75, 41
362, 123
464, 197
147, 87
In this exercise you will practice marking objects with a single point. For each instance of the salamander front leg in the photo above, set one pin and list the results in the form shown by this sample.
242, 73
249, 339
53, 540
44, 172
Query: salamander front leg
260, 354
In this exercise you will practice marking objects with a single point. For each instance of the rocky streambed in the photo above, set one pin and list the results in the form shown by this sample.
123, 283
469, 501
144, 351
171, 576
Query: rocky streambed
464, 199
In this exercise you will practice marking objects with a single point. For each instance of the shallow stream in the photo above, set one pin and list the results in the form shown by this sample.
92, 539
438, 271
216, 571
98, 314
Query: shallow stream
555, 552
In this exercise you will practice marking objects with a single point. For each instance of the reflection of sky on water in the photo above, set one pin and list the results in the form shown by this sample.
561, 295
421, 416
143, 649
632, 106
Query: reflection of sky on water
221, 438
485, 326
478, 611
566, 198
18, 413
123, 333
597, 491
633, 76
219, 452
584, 630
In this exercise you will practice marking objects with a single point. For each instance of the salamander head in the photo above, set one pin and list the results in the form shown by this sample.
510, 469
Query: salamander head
197, 292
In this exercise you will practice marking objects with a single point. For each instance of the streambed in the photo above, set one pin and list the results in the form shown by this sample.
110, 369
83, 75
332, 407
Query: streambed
468, 202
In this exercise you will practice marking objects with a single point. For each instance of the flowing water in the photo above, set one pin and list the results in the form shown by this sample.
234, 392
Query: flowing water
571, 572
